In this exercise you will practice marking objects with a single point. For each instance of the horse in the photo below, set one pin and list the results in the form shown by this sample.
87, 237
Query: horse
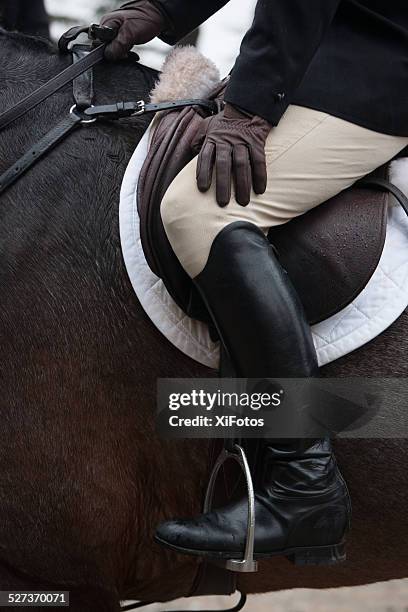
84, 478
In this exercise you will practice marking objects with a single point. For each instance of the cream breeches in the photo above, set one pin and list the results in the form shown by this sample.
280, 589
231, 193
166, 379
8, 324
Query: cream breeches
311, 156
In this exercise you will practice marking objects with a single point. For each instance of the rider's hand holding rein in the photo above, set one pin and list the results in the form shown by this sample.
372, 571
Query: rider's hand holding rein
136, 23
232, 142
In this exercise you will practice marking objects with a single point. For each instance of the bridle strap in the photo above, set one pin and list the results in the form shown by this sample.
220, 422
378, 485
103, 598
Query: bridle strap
120, 110
83, 85
52, 86
84, 60
77, 117
48, 142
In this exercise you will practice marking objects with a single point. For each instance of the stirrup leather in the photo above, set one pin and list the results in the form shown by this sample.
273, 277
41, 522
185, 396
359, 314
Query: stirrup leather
236, 453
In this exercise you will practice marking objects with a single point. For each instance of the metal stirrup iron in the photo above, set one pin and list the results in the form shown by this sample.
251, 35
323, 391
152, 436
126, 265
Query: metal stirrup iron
236, 453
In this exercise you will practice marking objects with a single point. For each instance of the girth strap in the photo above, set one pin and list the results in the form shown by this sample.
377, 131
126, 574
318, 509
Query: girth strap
51, 86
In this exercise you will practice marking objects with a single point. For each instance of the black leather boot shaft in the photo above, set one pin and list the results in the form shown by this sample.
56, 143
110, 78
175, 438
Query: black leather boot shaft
297, 467
255, 308
302, 507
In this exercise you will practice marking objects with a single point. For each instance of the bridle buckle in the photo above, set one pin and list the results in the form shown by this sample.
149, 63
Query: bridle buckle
77, 113
140, 108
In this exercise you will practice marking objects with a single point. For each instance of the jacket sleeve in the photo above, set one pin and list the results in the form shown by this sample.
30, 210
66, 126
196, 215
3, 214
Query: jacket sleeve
276, 52
185, 15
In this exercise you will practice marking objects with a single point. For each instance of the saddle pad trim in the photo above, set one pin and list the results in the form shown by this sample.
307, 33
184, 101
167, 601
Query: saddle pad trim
192, 337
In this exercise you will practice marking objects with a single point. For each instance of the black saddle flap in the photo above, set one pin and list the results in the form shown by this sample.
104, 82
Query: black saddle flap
331, 252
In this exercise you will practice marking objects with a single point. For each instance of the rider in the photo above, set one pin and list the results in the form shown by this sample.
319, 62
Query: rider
317, 99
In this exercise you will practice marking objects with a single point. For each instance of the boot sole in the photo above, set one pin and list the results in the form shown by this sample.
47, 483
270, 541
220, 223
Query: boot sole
303, 555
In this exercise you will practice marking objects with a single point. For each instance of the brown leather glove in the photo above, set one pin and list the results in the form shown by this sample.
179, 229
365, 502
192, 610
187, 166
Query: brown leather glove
136, 22
234, 143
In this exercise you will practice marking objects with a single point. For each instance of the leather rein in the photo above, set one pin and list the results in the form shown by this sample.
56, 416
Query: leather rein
77, 116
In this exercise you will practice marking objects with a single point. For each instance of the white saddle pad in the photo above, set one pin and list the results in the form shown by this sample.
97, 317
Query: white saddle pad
380, 303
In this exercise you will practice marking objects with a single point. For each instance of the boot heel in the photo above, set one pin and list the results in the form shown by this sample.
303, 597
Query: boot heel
319, 555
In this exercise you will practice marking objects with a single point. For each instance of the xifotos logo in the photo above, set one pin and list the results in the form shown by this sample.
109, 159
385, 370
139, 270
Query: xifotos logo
207, 401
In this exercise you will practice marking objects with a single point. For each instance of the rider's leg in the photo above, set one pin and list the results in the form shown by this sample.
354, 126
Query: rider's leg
311, 156
302, 501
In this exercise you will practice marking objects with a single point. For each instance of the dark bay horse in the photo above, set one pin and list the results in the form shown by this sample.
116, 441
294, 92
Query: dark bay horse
83, 477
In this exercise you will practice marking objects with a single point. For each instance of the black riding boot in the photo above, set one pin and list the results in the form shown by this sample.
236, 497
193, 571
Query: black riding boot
302, 507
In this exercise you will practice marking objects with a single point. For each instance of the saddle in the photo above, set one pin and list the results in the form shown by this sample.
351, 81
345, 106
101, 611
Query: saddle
330, 253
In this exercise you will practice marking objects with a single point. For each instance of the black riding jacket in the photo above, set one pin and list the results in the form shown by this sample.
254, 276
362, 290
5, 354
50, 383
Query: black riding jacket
348, 58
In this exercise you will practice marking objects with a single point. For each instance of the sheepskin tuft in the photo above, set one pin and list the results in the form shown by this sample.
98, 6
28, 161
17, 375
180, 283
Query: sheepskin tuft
399, 174
186, 73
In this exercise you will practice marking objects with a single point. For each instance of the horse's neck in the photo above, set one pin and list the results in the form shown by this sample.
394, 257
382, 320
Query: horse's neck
69, 199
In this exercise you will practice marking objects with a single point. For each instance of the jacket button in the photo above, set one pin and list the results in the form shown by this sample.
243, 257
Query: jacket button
279, 97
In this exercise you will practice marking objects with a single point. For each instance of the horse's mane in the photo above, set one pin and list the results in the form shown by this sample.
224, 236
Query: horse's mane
28, 42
